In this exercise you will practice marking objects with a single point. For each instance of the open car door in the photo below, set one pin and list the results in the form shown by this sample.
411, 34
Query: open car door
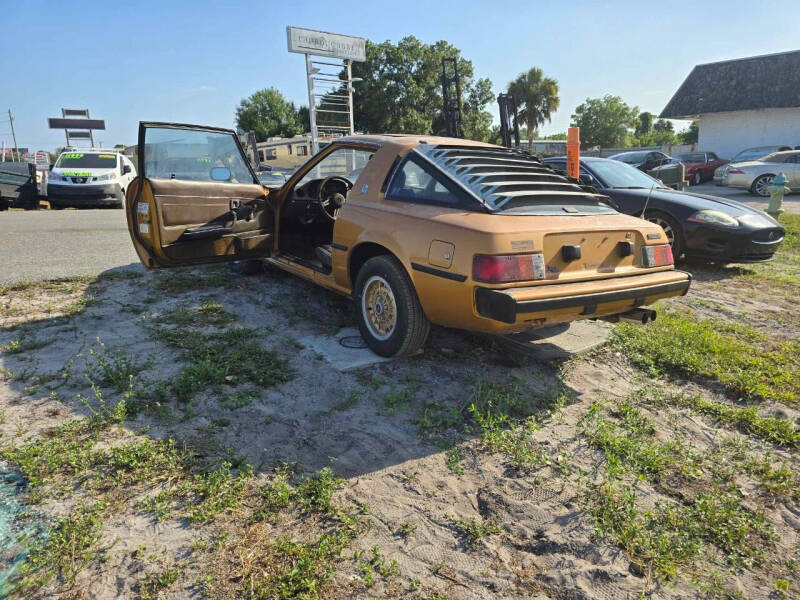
196, 199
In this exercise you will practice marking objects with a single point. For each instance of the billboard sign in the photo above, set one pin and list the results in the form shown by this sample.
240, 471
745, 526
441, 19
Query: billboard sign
323, 43
57, 123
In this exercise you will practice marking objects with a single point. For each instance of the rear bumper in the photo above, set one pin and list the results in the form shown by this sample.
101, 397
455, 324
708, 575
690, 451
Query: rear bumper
85, 195
613, 296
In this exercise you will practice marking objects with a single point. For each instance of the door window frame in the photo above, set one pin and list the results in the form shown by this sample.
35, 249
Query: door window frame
145, 125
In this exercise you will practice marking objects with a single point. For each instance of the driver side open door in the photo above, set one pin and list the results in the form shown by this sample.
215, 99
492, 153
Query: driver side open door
196, 199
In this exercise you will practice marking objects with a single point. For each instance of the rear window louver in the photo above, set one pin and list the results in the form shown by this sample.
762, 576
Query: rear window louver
499, 176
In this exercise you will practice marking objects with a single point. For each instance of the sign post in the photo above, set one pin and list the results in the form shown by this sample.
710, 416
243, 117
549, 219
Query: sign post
574, 152
330, 94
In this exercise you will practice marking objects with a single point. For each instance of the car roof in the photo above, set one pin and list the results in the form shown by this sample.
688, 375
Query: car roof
400, 141
632, 152
783, 154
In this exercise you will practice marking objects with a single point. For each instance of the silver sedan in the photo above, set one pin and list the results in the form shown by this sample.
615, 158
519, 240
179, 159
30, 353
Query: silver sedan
757, 175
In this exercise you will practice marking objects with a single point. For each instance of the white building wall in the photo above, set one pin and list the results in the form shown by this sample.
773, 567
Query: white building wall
730, 132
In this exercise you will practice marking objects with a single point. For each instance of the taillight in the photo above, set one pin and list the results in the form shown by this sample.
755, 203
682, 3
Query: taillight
657, 256
504, 268
737, 171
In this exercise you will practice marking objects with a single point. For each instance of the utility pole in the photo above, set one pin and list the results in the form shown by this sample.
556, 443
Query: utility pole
13, 135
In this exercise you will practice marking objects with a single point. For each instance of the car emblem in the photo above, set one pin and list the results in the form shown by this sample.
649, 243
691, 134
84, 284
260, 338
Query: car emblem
772, 235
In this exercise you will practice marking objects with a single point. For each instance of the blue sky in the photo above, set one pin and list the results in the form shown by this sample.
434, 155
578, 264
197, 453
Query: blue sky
192, 61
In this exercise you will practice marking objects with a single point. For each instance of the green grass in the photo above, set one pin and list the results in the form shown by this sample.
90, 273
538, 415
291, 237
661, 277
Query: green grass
454, 460
316, 492
777, 430
113, 369
24, 343
668, 538
627, 442
231, 357
472, 531
217, 491
680, 343
785, 269
179, 281
71, 544
155, 583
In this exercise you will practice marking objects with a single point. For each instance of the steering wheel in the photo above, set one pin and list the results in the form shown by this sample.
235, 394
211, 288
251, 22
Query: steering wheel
330, 201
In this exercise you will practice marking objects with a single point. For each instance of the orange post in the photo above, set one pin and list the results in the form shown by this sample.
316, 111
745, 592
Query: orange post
574, 152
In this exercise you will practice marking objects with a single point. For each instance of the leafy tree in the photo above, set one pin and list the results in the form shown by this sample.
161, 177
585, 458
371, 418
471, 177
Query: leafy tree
401, 90
555, 136
689, 136
605, 121
269, 114
645, 124
537, 98
663, 125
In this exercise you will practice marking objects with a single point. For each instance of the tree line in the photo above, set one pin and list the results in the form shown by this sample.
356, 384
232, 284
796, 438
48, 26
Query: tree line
401, 92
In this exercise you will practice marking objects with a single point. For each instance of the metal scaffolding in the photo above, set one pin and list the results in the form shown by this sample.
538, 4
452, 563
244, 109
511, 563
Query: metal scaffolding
330, 98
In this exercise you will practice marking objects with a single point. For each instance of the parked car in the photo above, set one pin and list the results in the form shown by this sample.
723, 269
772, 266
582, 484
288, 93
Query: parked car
89, 178
756, 175
433, 230
750, 154
18, 185
700, 166
644, 160
697, 225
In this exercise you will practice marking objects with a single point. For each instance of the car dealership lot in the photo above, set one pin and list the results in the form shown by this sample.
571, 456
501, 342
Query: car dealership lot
466, 472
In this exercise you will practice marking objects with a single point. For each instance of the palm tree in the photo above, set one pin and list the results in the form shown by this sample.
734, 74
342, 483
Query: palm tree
537, 98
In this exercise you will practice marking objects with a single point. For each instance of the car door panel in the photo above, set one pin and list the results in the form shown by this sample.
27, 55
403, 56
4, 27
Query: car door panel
177, 221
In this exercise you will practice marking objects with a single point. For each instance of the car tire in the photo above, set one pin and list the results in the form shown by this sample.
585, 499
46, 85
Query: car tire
761, 184
3, 203
698, 178
673, 230
246, 267
383, 287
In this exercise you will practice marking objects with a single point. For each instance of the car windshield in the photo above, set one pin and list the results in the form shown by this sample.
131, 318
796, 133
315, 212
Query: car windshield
632, 158
86, 160
619, 175
775, 157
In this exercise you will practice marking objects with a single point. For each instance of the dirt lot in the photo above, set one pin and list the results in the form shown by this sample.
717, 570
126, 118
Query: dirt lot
179, 441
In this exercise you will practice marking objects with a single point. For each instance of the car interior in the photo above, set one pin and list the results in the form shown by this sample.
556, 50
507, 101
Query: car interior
309, 212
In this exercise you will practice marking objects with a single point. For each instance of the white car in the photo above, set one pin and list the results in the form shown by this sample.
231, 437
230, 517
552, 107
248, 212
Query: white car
91, 178
757, 175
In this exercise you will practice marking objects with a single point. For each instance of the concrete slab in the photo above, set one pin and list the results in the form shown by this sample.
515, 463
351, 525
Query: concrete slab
345, 350
559, 341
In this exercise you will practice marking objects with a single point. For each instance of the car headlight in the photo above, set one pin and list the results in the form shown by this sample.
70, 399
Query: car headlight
714, 217
57, 177
757, 220
106, 177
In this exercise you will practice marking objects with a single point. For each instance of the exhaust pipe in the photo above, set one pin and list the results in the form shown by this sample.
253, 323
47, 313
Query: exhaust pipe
642, 316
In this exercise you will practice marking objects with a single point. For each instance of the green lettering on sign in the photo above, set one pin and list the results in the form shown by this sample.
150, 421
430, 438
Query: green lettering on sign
73, 155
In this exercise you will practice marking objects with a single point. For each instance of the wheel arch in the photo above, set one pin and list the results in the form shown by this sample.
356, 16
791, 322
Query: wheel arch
752, 187
360, 255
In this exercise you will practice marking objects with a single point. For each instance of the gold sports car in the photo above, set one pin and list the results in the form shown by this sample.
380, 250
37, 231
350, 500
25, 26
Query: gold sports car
416, 229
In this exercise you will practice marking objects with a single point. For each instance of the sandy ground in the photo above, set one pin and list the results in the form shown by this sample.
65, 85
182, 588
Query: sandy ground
365, 425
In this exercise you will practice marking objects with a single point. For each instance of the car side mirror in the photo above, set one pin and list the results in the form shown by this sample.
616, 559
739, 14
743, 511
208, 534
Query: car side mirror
126, 169
586, 179
221, 174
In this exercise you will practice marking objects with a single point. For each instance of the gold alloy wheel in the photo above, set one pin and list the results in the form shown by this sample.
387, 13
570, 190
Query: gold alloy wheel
379, 308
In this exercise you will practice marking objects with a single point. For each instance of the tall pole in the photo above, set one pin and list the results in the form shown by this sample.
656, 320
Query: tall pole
13, 134
312, 109
349, 64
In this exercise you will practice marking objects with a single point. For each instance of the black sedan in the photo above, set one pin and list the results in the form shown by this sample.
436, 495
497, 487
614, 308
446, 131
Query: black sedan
696, 225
